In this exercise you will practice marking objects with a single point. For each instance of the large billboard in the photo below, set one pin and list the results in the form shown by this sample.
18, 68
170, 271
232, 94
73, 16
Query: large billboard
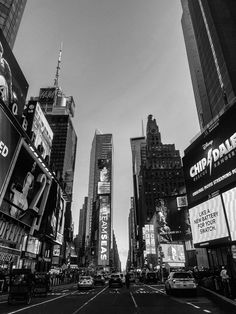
25, 194
47, 95
104, 240
229, 198
9, 139
38, 128
210, 162
149, 237
13, 85
208, 222
173, 253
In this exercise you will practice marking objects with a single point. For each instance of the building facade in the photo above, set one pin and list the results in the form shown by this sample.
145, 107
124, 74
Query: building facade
210, 37
99, 210
11, 12
160, 179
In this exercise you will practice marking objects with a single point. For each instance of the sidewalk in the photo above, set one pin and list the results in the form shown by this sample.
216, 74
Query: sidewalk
4, 296
219, 299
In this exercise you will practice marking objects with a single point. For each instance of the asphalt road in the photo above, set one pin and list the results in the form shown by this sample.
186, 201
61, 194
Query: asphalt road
137, 299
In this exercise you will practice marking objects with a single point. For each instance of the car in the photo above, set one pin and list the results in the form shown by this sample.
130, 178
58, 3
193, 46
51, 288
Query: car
115, 280
99, 280
180, 281
85, 282
151, 277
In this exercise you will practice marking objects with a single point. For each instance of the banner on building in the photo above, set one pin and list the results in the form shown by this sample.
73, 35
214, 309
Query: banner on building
9, 139
104, 240
25, 192
13, 85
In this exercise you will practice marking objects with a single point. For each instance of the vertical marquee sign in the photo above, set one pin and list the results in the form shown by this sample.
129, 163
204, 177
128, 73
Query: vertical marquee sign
104, 231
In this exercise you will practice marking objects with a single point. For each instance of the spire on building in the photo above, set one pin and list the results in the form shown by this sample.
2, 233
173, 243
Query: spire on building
56, 80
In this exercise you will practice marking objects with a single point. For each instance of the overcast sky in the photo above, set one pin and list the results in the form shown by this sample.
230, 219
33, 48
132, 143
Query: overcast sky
122, 60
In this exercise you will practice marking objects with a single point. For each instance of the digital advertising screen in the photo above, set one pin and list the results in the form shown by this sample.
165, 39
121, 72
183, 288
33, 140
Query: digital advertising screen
9, 139
173, 253
208, 221
104, 240
14, 86
26, 188
210, 161
104, 187
229, 199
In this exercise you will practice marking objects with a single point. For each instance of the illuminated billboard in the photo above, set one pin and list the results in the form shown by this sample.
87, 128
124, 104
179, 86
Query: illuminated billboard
173, 253
149, 239
9, 139
104, 240
209, 162
13, 85
25, 194
104, 187
208, 222
38, 128
47, 95
229, 198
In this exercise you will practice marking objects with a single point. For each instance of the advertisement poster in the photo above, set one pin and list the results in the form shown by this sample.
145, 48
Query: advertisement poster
9, 139
210, 161
149, 239
173, 253
26, 188
13, 85
208, 221
104, 231
229, 198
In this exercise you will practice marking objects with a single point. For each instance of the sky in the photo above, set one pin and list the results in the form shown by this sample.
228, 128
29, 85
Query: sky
121, 61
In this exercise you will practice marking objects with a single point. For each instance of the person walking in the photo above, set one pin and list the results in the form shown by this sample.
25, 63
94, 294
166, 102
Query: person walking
225, 281
127, 280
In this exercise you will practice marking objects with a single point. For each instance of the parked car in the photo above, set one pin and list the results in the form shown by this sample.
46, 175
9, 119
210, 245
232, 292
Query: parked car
151, 277
180, 281
85, 282
99, 280
115, 280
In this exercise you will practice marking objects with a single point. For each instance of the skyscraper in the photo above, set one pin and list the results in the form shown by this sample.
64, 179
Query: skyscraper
210, 37
11, 12
99, 211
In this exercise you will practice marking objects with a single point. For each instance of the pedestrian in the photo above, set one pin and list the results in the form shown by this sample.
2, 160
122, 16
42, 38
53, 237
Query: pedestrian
127, 280
225, 281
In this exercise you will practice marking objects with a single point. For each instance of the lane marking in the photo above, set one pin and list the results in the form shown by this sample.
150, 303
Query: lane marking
196, 307
135, 304
159, 290
207, 311
44, 302
86, 303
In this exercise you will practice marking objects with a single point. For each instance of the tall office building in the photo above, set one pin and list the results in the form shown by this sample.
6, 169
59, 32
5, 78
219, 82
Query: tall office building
99, 211
11, 12
161, 170
210, 37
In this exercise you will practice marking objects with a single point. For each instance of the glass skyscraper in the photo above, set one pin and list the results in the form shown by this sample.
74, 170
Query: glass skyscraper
210, 37
11, 12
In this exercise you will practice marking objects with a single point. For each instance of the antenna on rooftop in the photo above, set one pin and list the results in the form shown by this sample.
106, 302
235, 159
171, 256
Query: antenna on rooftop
142, 128
56, 80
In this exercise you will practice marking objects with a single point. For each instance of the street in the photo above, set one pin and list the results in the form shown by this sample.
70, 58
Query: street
139, 298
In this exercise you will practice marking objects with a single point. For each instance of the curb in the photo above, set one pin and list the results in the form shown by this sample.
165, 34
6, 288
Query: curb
219, 299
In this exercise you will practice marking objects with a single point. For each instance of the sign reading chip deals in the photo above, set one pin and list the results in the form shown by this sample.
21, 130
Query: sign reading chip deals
209, 162
208, 221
